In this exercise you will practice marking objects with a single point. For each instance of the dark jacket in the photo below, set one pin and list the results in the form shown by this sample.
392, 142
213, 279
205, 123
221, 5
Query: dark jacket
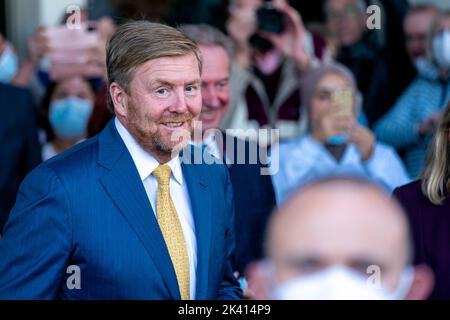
254, 200
87, 209
430, 225
19, 147
382, 71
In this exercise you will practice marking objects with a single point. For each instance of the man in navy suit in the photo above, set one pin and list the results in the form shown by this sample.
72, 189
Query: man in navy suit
20, 151
88, 224
253, 191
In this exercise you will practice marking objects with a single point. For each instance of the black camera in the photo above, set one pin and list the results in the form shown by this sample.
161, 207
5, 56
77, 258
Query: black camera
269, 18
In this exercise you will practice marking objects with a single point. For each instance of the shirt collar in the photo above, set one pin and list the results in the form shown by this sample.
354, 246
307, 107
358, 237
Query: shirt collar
144, 161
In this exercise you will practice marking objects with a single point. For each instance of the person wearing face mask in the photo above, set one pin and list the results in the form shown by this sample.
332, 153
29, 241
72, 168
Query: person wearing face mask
68, 106
353, 246
335, 141
416, 25
8, 61
264, 78
411, 122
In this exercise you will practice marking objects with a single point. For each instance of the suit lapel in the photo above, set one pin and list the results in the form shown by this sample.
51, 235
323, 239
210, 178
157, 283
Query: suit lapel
126, 190
201, 211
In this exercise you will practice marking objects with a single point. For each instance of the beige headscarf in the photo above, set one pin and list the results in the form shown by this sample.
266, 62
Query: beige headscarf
310, 80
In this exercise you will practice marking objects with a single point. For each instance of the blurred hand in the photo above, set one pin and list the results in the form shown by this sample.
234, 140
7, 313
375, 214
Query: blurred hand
364, 140
241, 26
37, 45
292, 41
247, 293
257, 284
429, 125
331, 123
105, 28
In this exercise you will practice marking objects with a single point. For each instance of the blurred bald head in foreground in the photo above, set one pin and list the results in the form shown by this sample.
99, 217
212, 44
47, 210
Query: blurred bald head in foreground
339, 238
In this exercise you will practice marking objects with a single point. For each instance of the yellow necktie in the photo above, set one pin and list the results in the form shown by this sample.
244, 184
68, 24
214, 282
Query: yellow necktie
171, 229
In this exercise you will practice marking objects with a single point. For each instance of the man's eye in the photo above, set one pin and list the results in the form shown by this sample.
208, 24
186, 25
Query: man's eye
222, 85
191, 89
60, 96
324, 96
162, 91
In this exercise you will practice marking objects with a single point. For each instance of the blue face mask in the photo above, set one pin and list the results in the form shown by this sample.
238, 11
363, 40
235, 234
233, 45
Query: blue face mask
69, 117
337, 140
8, 65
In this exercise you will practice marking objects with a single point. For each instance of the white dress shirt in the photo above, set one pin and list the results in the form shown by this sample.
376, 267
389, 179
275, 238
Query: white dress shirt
214, 147
145, 164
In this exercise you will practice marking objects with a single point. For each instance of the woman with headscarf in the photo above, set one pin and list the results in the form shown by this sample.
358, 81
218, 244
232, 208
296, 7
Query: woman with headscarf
335, 143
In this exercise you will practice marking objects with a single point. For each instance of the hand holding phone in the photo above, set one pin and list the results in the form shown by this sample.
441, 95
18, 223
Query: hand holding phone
343, 100
71, 51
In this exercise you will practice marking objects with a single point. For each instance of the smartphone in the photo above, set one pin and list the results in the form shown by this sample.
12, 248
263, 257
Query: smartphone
343, 99
70, 49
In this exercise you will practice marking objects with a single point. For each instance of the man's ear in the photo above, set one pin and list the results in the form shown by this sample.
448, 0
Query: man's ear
119, 99
423, 283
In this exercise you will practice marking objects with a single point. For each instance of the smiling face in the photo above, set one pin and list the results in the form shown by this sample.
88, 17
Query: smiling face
215, 90
163, 100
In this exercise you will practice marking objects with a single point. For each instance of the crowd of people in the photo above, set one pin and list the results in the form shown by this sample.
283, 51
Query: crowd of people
357, 174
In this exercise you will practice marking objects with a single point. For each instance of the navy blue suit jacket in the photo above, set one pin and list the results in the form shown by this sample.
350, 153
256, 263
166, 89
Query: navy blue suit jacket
88, 208
254, 200
20, 151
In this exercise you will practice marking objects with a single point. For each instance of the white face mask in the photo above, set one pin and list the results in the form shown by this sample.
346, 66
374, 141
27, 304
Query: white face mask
8, 65
341, 283
441, 49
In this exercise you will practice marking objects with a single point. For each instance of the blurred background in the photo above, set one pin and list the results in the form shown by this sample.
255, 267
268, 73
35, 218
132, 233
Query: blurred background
19, 18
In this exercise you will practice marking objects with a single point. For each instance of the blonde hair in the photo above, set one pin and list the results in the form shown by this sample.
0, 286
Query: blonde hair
435, 177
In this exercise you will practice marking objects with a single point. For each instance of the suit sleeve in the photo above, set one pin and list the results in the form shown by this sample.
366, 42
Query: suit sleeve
229, 288
36, 245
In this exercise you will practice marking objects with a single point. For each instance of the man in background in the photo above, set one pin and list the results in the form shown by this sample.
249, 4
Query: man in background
339, 238
416, 27
253, 192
